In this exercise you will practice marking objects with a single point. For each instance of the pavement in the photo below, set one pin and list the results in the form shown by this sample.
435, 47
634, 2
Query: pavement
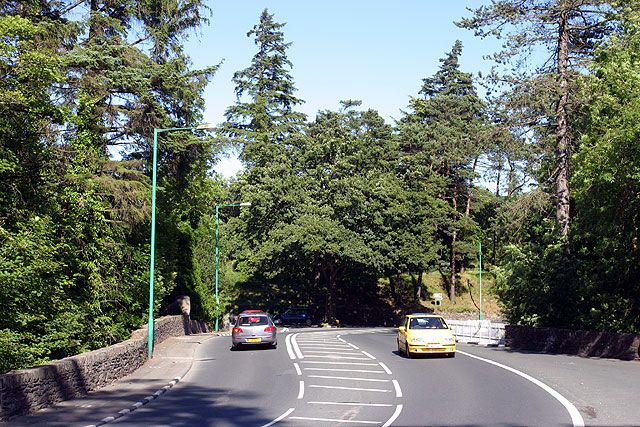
172, 359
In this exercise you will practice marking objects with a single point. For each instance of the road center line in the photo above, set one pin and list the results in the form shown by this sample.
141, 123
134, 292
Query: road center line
301, 390
378, 390
295, 365
576, 418
280, 418
348, 378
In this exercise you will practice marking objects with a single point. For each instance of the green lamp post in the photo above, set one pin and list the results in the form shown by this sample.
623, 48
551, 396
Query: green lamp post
217, 250
156, 132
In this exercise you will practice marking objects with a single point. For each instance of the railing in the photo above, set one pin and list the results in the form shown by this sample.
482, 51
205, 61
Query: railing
482, 332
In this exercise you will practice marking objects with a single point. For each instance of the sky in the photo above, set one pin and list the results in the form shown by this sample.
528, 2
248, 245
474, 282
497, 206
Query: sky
370, 50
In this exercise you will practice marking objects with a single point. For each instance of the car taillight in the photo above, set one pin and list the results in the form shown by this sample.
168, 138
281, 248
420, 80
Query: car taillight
270, 329
237, 330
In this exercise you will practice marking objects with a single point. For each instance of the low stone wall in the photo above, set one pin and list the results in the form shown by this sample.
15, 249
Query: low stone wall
565, 341
31, 389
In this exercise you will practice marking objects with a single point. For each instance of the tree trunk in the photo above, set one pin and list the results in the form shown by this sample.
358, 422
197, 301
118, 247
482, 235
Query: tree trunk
332, 275
452, 282
563, 143
417, 286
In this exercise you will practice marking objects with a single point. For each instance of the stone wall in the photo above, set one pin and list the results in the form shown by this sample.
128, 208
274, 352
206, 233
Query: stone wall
31, 389
581, 343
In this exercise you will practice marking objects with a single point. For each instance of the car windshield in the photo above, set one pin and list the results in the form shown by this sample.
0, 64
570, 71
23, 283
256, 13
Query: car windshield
253, 320
298, 311
426, 323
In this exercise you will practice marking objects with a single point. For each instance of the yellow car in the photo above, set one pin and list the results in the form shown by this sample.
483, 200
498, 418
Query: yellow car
423, 333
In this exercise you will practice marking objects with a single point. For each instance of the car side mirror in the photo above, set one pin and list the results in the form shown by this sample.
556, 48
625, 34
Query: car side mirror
277, 322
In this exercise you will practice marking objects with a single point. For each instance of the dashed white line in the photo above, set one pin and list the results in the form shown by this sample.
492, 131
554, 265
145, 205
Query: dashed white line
301, 390
295, 365
329, 352
349, 378
394, 416
354, 346
387, 370
576, 418
397, 387
332, 420
368, 355
382, 405
378, 390
281, 417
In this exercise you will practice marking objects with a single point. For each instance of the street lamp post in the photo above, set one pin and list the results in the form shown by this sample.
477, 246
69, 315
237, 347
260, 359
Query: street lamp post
156, 132
217, 250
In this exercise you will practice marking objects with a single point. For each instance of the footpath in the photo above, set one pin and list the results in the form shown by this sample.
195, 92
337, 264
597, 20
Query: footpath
171, 360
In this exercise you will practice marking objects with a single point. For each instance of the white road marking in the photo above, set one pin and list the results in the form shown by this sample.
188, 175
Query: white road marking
336, 345
340, 357
368, 355
332, 420
294, 343
397, 387
287, 341
301, 391
329, 352
281, 417
295, 365
379, 390
345, 370
394, 416
341, 363
349, 378
356, 347
387, 370
576, 418
383, 405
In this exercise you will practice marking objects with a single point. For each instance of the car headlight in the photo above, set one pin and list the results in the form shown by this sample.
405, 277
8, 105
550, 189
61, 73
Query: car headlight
449, 340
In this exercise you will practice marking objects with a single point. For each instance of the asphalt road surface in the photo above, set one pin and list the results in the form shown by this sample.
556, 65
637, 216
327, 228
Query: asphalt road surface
350, 378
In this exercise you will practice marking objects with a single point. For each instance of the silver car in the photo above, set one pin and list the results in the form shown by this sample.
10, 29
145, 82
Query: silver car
254, 328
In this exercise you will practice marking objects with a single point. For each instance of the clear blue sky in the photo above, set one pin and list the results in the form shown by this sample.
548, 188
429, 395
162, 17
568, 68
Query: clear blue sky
374, 51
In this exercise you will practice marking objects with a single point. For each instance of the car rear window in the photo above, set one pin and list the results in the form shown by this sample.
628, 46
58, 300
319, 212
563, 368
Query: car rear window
427, 323
253, 320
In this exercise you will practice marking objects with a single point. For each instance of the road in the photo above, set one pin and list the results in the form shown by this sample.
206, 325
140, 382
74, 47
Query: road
350, 378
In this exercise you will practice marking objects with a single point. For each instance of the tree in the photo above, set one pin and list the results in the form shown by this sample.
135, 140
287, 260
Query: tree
569, 30
441, 142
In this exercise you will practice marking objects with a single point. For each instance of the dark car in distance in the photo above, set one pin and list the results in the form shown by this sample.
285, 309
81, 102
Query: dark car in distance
296, 316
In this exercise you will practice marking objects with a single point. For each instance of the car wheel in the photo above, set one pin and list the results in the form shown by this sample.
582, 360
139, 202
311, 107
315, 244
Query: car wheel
452, 354
399, 349
309, 322
274, 344
407, 352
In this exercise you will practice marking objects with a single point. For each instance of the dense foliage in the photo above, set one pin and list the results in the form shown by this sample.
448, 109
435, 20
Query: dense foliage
349, 213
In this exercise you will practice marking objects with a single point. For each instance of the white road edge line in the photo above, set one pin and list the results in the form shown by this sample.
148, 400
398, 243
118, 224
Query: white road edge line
387, 370
576, 418
356, 347
395, 415
397, 387
289, 349
301, 391
280, 418
368, 355
295, 346
295, 365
